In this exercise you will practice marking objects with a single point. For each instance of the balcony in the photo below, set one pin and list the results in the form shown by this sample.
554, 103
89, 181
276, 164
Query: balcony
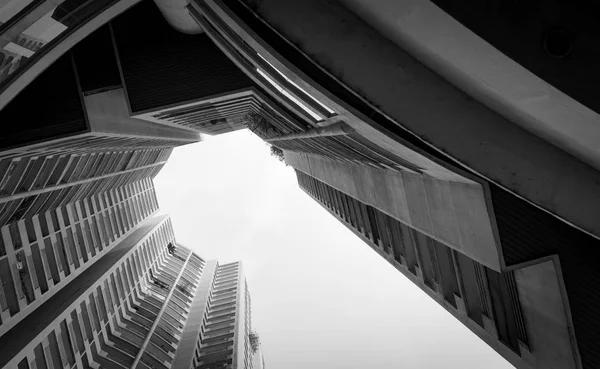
206, 350
216, 358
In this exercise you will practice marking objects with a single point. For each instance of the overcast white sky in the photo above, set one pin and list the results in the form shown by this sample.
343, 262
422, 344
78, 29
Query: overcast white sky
321, 298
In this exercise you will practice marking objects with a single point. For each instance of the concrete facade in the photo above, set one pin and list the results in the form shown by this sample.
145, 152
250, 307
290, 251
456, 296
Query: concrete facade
146, 302
549, 324
453, 213
91, 296
191, 333
226, 323
522, 313
54, 248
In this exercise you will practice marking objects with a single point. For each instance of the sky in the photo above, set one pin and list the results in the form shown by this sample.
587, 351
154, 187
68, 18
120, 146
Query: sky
321, 298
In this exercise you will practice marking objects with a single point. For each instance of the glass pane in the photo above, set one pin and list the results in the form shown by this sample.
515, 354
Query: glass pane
32, 25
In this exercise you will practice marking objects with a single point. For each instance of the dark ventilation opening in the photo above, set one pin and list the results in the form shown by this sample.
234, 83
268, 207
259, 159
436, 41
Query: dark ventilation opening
96, 62
558, 42
49, 107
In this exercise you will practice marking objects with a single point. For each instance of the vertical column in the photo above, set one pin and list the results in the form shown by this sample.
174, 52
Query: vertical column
11, 266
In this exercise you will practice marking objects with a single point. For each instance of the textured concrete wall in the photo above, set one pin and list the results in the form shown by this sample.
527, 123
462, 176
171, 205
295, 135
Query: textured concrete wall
453, 213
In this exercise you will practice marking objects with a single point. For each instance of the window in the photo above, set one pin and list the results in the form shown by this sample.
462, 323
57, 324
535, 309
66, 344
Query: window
298, 87
309, 111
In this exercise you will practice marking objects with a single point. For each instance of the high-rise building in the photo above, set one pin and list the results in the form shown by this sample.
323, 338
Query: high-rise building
147, 302
42, 254
75, 178
75, 169
219, 329
225, 333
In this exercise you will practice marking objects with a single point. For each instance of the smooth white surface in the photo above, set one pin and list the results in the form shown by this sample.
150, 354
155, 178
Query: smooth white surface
321, 298
18, 49
46, 28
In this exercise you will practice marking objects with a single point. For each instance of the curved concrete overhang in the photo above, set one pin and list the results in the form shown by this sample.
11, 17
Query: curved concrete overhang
176, 13
440, 200
470, 63
342, 110
420, 102
50, 56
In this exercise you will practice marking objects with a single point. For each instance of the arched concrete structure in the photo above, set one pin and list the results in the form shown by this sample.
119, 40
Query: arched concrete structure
470, 63
416, 99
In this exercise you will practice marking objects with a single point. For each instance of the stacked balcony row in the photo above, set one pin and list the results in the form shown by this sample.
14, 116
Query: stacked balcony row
248, 350
35, 184
218, 333
93, 321
460, 284
180, 288
42, 254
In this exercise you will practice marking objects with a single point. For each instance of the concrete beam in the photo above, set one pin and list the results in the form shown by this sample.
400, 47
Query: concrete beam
469, 62
454, 213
